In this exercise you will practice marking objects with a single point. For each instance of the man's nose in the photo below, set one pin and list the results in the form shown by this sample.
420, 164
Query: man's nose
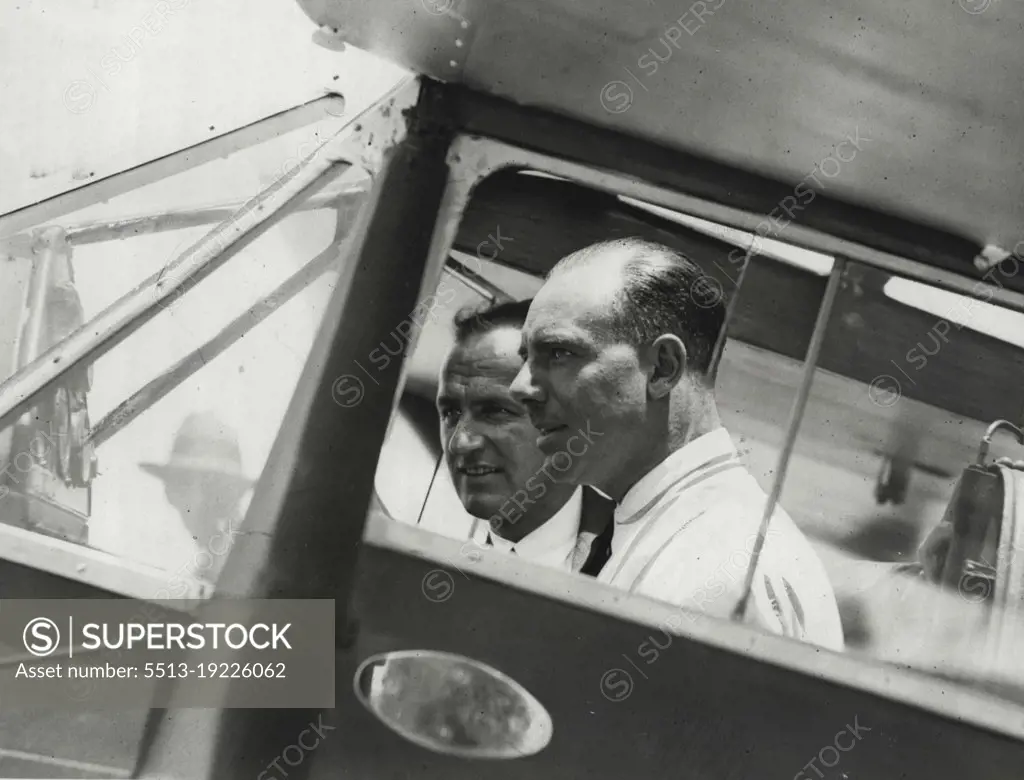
524, 389
464, 439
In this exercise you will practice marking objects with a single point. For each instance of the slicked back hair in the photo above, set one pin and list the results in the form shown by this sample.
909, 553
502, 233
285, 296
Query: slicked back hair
480, 319
663, 291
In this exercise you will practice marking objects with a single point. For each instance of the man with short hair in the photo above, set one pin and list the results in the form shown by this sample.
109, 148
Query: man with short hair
622, 338
489, 446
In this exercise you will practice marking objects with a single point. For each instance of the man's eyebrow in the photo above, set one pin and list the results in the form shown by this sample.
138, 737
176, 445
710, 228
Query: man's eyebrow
558, 337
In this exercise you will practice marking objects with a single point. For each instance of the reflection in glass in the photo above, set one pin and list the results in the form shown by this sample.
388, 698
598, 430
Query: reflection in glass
916, 522
452, 704
228, 349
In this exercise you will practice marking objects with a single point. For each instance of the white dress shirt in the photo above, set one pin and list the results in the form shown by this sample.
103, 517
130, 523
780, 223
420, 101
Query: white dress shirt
552, 544
685, 532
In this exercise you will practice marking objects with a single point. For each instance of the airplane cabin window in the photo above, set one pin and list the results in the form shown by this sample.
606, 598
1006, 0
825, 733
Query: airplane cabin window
150, 454
445, 468
908, 379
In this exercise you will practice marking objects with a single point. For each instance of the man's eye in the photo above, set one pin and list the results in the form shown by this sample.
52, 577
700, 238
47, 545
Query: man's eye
497, 412
450, 416
557, 353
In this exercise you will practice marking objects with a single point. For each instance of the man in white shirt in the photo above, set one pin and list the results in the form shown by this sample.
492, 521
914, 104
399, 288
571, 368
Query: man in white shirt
620, 340
495, 466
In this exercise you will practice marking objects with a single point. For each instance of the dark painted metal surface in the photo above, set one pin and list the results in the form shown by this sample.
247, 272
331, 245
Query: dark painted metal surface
693, 713
775, 89
108, 739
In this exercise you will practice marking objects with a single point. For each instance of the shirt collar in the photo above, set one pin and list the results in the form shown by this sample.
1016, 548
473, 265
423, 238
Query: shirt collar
554, 540
686, 460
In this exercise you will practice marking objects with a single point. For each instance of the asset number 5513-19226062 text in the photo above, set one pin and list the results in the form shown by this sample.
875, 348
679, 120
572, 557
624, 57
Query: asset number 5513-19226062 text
211, 670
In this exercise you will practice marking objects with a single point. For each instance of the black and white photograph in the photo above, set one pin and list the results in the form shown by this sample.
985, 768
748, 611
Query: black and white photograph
551, 389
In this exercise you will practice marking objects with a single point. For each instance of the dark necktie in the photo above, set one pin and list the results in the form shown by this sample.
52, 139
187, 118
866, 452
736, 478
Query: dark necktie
597, 523
594, 543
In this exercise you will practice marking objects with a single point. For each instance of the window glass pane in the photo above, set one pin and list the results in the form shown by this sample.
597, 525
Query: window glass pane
909, 379
515, 229
215, 369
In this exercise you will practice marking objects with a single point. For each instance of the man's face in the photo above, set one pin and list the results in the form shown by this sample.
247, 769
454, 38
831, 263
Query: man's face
488, 440
585, 389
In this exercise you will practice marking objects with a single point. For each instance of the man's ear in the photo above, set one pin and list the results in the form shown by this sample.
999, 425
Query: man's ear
667, 357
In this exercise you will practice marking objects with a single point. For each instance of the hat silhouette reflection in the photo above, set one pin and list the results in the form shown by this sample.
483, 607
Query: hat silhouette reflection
204, 482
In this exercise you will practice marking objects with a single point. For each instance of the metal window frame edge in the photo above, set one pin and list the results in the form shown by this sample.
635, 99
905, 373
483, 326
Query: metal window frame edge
179, 161
94, 567
490, 156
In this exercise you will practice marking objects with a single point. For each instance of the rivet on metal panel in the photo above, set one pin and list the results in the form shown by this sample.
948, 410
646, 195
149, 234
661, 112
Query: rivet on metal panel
447, 8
